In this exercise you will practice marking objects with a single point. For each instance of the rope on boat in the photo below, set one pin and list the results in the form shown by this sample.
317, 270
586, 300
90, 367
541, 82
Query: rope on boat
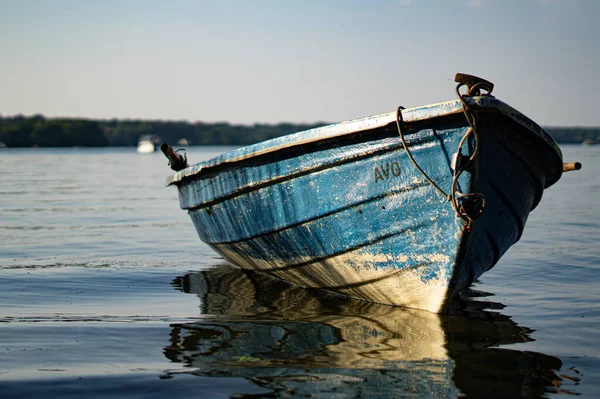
398, 121
468, 206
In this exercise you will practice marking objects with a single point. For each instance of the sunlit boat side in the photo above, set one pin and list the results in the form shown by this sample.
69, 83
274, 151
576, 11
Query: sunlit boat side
345, 208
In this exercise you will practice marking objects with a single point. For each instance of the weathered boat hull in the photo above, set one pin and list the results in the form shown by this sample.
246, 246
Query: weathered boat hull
343, 209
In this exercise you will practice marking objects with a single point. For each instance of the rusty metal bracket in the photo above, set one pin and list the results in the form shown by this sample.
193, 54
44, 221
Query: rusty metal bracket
177, 161
474, 84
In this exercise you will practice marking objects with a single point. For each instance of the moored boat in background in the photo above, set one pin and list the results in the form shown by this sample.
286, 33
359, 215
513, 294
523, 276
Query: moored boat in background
147, 143
404, 208
183, 142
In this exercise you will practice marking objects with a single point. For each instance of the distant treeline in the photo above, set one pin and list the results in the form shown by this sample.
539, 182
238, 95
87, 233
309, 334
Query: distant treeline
574, 134
22, 131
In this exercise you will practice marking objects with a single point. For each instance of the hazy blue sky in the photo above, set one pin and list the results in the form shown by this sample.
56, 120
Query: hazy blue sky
297, 61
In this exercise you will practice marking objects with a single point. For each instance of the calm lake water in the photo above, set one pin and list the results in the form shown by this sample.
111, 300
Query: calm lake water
105, 289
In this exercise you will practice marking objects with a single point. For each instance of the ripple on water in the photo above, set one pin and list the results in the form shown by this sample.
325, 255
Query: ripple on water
96, 283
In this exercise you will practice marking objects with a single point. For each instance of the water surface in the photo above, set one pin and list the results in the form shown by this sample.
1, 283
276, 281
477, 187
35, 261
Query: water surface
106, 289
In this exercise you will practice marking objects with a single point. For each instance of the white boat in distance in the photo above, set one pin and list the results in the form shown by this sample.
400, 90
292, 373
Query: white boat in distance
147, 143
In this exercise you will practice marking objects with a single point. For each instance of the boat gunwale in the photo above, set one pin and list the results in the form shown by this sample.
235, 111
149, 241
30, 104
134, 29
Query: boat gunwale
352, 127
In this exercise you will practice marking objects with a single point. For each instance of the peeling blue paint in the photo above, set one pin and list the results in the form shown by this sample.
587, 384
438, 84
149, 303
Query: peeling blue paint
311, 208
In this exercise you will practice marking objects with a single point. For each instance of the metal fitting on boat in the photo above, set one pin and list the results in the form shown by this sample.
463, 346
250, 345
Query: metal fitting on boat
177, 162
474, 84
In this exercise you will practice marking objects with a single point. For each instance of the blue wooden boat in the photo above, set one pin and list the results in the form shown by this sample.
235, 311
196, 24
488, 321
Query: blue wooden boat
404, 208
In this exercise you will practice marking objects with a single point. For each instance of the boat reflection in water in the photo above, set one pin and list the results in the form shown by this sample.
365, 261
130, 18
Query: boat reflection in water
293, 341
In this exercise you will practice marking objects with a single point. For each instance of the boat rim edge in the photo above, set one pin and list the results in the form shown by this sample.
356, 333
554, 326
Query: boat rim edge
350, 127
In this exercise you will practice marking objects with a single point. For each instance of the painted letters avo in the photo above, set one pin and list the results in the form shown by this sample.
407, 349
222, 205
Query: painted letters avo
383, 171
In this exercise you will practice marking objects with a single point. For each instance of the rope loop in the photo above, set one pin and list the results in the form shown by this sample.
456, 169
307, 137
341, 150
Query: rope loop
401, 134
467, 206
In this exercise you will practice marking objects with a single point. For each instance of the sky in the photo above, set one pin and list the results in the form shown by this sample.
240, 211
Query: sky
269, 61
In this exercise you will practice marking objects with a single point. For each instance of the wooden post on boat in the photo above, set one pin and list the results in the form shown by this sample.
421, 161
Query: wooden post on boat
567, 167
176, 161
